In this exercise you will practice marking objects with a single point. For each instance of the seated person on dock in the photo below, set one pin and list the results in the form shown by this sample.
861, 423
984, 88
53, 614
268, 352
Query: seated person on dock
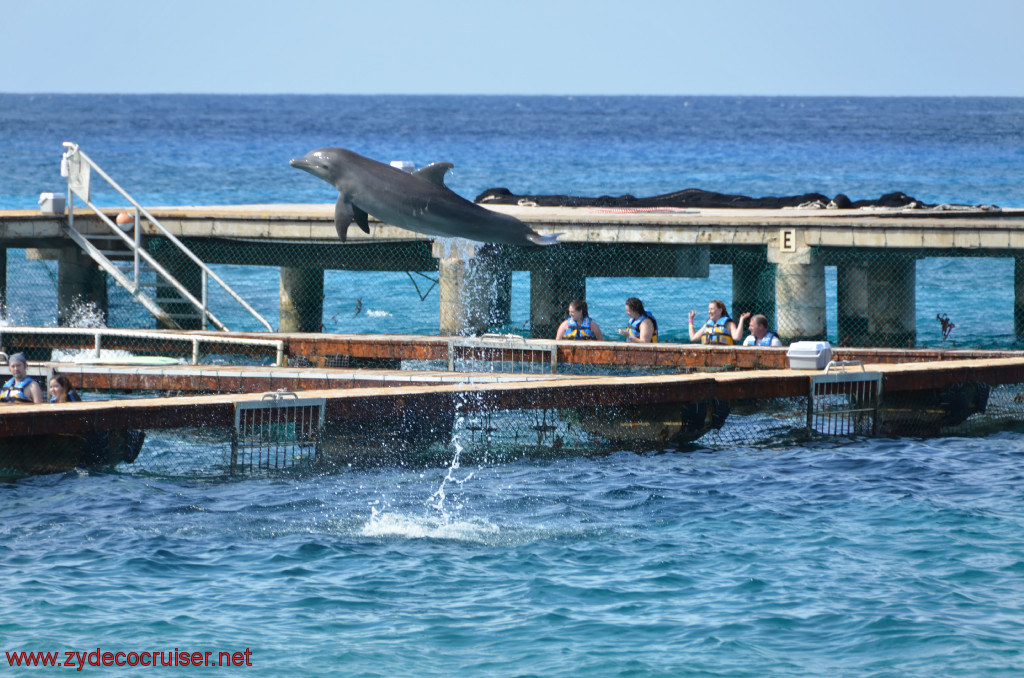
21, 388
579, 325
61, 390
759, 335
719, 328
643, 328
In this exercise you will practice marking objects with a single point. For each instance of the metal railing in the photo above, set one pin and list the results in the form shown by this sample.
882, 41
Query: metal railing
505, 353
280, 431
76, 166
844, 403
98, 334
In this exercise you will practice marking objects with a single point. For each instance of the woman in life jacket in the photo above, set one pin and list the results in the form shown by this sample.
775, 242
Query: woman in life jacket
20, 388
579, 325
719, 327
643, 328
61, 390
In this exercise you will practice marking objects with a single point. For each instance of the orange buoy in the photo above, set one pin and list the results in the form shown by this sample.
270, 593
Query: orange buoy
125, 218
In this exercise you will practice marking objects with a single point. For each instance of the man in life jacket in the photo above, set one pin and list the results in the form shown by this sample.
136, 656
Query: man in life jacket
579, 325
20, 388
643, 328
759, 335
719, 327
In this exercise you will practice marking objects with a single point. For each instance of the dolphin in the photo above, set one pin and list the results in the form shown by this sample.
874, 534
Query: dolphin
417, 201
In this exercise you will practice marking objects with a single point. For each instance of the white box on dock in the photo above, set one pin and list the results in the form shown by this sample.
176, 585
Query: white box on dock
809, 355
52, 203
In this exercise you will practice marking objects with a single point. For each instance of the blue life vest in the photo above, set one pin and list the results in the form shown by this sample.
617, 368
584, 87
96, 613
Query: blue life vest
634, 327
73, 397
14, 391
717, 332
766, 340
581, 331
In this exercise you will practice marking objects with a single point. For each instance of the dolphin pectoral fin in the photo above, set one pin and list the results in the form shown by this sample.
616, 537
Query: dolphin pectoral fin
434, 172
538, 239
343, 215
361, 219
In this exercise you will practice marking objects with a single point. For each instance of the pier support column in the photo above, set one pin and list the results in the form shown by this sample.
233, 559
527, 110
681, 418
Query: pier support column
551, 290
80, 282
800, 301
753, 287
302, 300
1018, 296
185, 271
799, 287
475, 288
877, 302
3, 282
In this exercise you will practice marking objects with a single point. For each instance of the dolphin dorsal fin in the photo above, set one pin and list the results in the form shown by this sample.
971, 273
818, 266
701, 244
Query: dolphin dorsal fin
434, 172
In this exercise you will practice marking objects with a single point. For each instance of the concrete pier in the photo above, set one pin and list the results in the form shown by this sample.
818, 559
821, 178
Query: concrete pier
753, 287
1018, 295
800, 301
3, 281
777, 258
876, 302
475, 290
302, 299
79, 281
188, 273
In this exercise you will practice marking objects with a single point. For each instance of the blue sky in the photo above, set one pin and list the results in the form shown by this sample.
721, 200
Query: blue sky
752, 47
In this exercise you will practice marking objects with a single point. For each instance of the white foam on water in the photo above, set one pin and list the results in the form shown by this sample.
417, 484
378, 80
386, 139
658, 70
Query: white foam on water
379, 314
391, 524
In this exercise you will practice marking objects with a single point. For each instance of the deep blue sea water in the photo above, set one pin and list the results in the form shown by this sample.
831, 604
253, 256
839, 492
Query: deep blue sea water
869, 557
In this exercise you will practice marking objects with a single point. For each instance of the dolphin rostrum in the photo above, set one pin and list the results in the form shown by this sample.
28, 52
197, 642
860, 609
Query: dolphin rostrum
417, 201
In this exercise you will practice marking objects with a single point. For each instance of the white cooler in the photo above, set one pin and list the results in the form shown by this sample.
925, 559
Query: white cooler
52, 203
809, 355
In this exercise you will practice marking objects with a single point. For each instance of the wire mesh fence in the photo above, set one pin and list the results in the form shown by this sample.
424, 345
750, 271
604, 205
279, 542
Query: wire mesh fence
850, 297
284, 435
862, 296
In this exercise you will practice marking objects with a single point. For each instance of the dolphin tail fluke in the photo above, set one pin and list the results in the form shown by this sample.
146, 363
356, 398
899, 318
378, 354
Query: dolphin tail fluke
538, 239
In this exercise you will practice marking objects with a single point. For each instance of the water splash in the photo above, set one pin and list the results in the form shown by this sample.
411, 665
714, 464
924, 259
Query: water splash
86, 314
437, 499
385, 523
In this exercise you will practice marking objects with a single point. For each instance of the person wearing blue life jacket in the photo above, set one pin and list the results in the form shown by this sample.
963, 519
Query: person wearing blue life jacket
718, 329
643, 328
579, 325
61, 390
759, 335
20, 388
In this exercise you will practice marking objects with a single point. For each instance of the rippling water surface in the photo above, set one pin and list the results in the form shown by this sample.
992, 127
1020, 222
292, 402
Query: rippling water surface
873, 557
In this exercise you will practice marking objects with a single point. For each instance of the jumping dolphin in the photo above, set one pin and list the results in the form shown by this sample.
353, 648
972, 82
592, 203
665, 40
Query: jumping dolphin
418, 201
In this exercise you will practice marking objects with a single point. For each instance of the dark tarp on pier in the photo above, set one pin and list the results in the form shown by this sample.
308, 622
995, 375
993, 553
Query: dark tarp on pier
695, 197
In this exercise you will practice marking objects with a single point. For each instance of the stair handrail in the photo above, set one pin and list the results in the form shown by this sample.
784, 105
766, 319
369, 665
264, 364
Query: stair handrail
73, 150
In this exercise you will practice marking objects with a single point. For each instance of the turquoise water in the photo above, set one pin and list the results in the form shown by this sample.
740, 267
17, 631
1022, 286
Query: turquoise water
882, 557
865, 557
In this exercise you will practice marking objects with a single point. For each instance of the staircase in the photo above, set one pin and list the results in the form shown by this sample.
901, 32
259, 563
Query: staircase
122, 254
